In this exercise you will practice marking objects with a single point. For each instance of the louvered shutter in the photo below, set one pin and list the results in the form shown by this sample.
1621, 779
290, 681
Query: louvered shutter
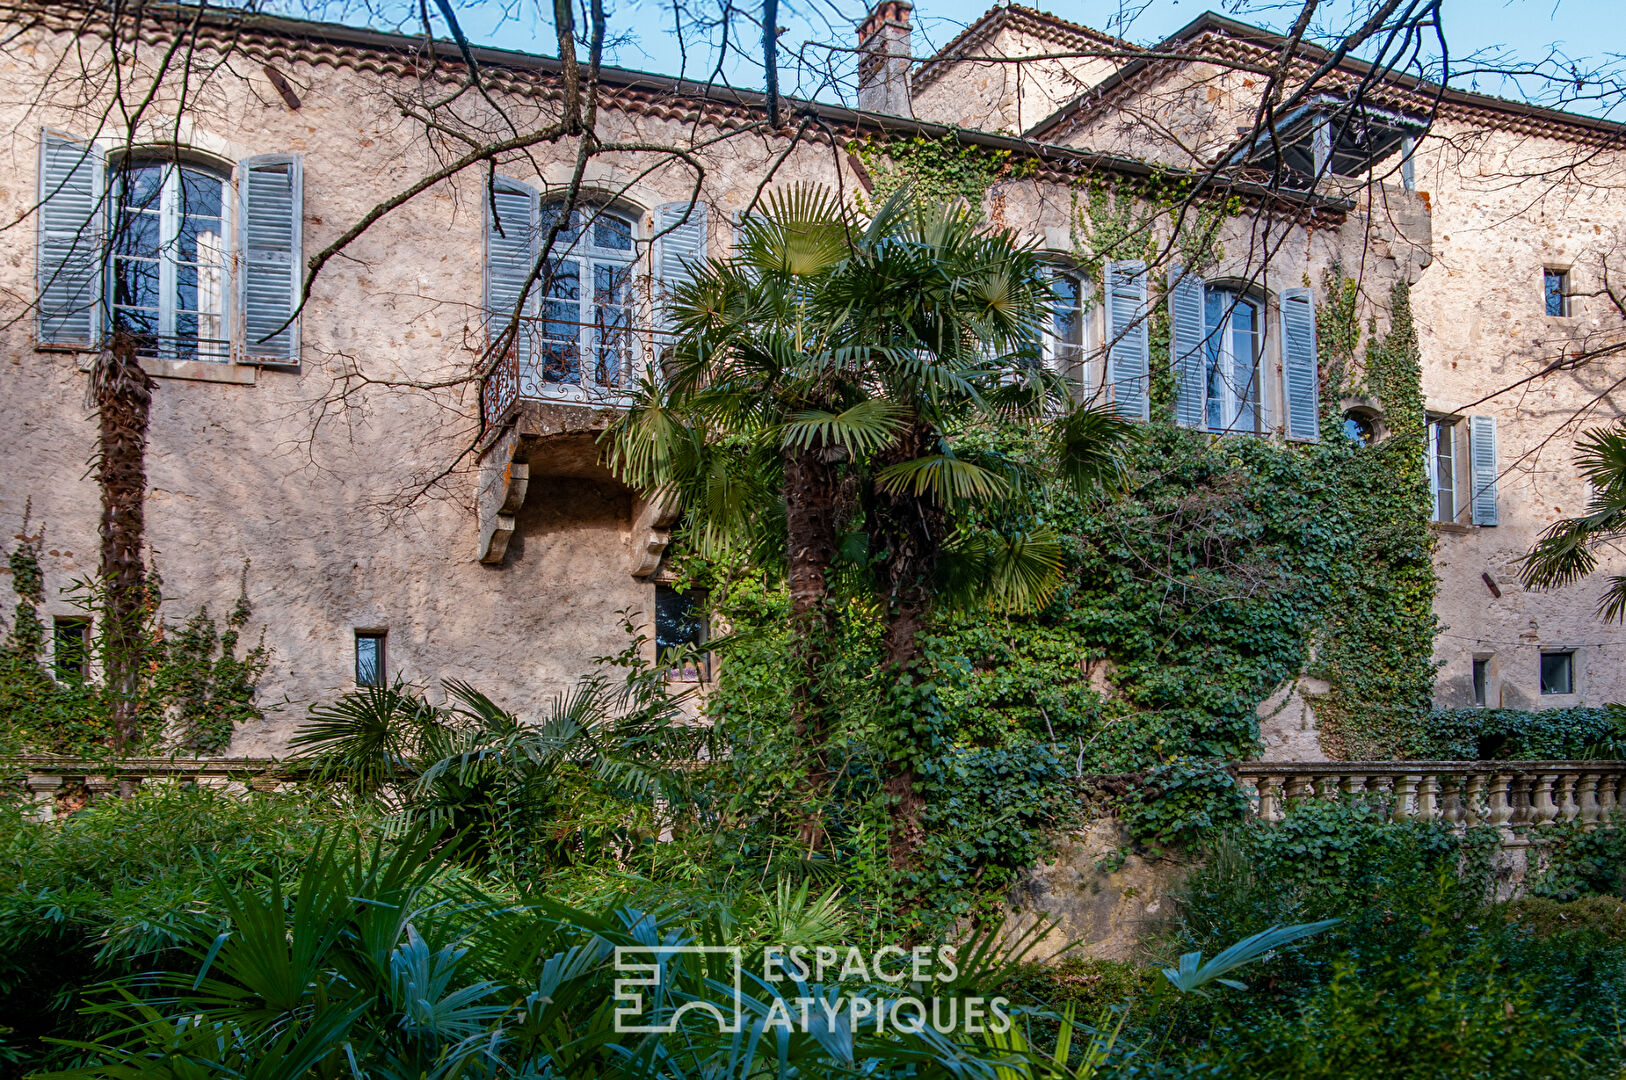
1301, 377
270, 228
70, 242
1482, 466
513, 229
1128, 350
1188, 332
680, 250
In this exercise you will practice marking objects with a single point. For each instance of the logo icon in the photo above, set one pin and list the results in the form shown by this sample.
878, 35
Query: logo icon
644, 1002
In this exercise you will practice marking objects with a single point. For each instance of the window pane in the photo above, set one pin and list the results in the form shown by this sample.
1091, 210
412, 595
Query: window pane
135, 282
1554, 281
679, 626
1214, 301
1244, 382
369, 659
70, 654
1557, 673
142, 185
137, 234
612, 232
200, 194
1445, 471
1481, 680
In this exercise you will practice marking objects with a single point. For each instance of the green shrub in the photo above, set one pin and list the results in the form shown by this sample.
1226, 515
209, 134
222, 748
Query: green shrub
117, 887
1603, 915
1182, 800
1516, 735
1582, 862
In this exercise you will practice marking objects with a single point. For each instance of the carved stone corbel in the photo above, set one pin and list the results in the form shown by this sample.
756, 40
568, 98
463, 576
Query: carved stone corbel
652, 521
502, 492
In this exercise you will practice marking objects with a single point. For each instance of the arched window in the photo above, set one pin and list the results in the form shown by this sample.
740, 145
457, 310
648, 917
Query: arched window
169, 265
1231, 375
587, 299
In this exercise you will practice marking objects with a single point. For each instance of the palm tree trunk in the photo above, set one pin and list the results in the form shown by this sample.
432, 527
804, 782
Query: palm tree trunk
812, 506
122, 394
909, 529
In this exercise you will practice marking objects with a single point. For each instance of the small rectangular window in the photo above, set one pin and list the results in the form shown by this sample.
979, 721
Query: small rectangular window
1481, 681
1556, 287
370, 660
70, 640
680, 629
1558, 673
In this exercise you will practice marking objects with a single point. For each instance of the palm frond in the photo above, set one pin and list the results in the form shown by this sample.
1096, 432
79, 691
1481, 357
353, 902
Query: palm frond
859, 429
1087, 443
944, 478
1192, 974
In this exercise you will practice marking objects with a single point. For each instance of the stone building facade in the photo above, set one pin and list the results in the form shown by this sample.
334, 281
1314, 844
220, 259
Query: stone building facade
1525, 202
393, 514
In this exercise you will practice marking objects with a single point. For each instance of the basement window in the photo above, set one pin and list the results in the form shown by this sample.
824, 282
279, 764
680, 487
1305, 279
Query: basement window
1556, 291
1558, 673
70, 641
370, 657
680, 631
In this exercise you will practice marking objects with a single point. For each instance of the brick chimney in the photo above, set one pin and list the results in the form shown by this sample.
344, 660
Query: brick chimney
883, 59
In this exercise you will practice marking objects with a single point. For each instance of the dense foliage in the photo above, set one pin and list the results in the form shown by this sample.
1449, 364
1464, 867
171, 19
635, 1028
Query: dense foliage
197, 681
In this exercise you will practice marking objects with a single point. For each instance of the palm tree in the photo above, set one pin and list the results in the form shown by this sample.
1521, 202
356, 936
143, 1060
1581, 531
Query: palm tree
833, 355
1567, 551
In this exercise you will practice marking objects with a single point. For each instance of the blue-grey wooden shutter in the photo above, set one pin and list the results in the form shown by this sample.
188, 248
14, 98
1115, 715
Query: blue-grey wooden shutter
1128, 359
1188, 333
70, 242
271, 217
1301, 376
513, 229
1482, 467
680, 250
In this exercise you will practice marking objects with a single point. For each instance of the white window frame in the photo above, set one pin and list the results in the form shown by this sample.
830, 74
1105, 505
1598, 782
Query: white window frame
587, 256
1451, 426
169, 236
1224, 336
1070, 358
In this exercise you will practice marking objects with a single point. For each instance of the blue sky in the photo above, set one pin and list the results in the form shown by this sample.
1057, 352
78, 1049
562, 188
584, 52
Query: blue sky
1587, 32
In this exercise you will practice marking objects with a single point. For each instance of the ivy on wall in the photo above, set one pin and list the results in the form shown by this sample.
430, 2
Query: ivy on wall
1221, 570
200, 681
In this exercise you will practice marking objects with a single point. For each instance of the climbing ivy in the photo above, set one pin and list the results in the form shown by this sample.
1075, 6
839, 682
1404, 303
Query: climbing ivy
940, 170
199, 685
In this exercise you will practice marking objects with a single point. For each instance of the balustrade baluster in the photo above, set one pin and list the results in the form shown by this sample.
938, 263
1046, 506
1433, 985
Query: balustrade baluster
1473, 800
1564, 797
1543, 807
1270, 798
1586, 797
1522, 799
1406, 795
1298, 789
1606, 798
1450, 799
1428, 797
1499, 801
1354, 785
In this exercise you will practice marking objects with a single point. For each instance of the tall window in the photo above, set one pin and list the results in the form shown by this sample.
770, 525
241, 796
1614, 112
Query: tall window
169, 266
1556, 291
70, 646
370, 658
1442, 467
1064, 330
1481, 681
1231, 375
680, 629
587, 300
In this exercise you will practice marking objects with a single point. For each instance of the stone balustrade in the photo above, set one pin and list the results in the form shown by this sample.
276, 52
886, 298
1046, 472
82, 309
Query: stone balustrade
1516, 797
58, 784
